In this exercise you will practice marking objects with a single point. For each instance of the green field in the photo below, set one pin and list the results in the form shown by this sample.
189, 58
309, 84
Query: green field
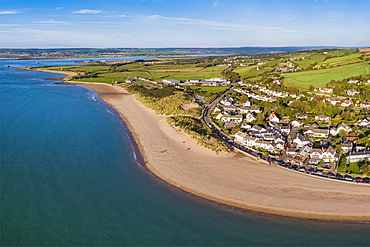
339, 61
210, 89
322, 77
155, 72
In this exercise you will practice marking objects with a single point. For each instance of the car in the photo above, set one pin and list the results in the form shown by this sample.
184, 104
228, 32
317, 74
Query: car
318, 172
348, 178
338, 176
366, 180
310, 170
294, 167
302, 169
331, 175
358, 179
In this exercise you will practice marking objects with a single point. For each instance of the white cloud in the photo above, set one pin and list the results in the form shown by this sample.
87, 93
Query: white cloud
87, 11
216, 24
52, 22
122, 16
215, 4
335, 14
8, 12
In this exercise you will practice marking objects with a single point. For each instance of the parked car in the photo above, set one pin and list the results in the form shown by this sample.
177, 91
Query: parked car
348, 178
294, 167
358, 179
318, 172
365, 180
311, 170
338, 176
331, 175
302, 169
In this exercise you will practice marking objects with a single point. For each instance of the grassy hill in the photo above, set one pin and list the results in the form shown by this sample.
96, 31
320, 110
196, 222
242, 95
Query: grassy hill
322, 77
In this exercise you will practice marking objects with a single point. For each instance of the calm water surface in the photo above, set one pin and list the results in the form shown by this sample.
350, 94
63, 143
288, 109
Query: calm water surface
69, 177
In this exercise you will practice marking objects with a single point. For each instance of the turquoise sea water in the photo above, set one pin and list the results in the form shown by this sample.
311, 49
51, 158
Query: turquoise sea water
69, 176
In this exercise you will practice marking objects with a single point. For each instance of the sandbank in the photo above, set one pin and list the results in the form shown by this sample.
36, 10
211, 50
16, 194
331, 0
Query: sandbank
234, 179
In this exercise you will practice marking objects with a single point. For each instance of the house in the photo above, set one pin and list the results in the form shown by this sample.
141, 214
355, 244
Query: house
245, 125
323, 118
239, 137
325, 90
228, 101
316, 153
291, 151
268, 145
228, 118
273, 118
364, 104
171, 81
301, 116
317, 132
332, 101
230, 108
364, 122
301, 140
358, 156
245, 139
249, 117
330, 155
219, 116
347, 144
285, 129
352, 92
353, 81
346, 103
296, 123
297, 160
246, 109
339, 128
258, 129
304, 151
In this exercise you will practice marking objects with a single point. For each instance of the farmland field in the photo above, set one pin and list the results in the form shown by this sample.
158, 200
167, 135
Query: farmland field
210, 89
156, 72
321, 77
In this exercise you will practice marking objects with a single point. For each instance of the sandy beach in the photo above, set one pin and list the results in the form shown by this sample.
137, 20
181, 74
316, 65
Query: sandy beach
234, 179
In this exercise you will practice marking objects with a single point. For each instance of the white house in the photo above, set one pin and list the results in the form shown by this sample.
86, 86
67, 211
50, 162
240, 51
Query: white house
301, 140
273, 118
249, 117
325, 90
358, 156
346, 103
339, 128
296, 123
322, 118
364, 122
228, 101
228, 118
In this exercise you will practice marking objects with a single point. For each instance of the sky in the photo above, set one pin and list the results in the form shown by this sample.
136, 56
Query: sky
183, 23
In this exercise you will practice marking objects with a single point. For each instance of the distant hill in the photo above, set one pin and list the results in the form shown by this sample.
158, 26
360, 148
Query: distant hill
98, 52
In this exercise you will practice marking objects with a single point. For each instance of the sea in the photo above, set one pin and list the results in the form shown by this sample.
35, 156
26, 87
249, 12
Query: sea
70, 176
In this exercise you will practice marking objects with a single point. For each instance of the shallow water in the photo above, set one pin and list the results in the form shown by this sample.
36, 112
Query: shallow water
69, 177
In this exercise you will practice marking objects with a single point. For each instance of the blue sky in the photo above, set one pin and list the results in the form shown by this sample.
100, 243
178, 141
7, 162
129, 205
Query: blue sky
183, 23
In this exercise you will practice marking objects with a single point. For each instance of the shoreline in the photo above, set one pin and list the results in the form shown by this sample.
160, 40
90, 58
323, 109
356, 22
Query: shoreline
232, 179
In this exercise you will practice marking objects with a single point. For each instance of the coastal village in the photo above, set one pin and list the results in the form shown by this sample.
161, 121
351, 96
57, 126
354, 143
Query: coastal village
318, 128
305, 140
